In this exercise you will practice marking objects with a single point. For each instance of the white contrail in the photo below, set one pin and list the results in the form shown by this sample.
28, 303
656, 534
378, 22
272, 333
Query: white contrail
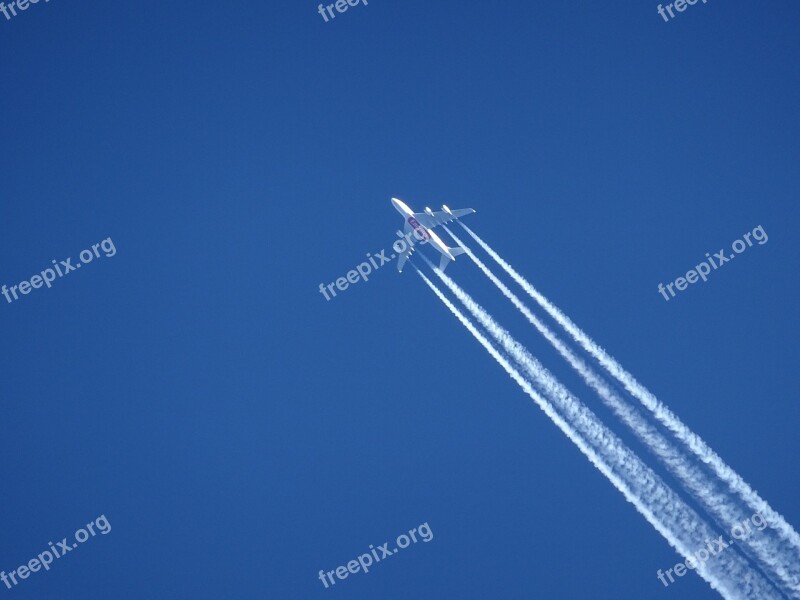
728, 572
763, 548
665, 416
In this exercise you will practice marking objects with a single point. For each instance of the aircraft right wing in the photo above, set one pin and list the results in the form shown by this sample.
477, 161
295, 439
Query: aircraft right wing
440, 217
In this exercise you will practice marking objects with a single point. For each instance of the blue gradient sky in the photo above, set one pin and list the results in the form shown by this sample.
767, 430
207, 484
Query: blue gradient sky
239, 432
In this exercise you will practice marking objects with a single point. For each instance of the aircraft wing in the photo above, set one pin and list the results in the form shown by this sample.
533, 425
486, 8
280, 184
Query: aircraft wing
404, 256
439, 217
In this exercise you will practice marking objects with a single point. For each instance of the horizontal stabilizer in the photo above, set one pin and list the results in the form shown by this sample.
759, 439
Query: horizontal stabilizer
446, 260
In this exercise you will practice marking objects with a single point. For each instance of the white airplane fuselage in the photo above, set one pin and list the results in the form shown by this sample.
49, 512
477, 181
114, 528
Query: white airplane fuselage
422, 233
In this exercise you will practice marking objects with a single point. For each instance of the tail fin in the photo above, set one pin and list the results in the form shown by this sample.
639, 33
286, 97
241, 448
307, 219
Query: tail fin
445, 260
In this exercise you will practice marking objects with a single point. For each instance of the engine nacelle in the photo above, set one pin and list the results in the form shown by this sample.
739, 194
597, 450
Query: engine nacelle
428, 210
445, 209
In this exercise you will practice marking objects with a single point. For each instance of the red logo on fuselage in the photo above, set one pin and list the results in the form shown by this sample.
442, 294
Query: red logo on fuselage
418, 228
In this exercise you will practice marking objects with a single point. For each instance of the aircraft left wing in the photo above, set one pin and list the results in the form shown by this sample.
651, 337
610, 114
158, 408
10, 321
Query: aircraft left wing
404, 256
440, 217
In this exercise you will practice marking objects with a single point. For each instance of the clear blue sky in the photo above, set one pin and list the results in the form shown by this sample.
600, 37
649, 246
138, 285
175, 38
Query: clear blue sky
239, 432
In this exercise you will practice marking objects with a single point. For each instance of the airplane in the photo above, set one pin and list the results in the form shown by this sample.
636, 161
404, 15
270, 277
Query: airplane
419, 226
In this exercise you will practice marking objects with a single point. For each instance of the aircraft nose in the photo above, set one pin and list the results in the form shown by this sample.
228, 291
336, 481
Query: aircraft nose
400, 206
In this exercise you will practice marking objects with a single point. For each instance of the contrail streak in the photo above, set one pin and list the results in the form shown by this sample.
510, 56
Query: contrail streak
665, 416
762, 547
728, 572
